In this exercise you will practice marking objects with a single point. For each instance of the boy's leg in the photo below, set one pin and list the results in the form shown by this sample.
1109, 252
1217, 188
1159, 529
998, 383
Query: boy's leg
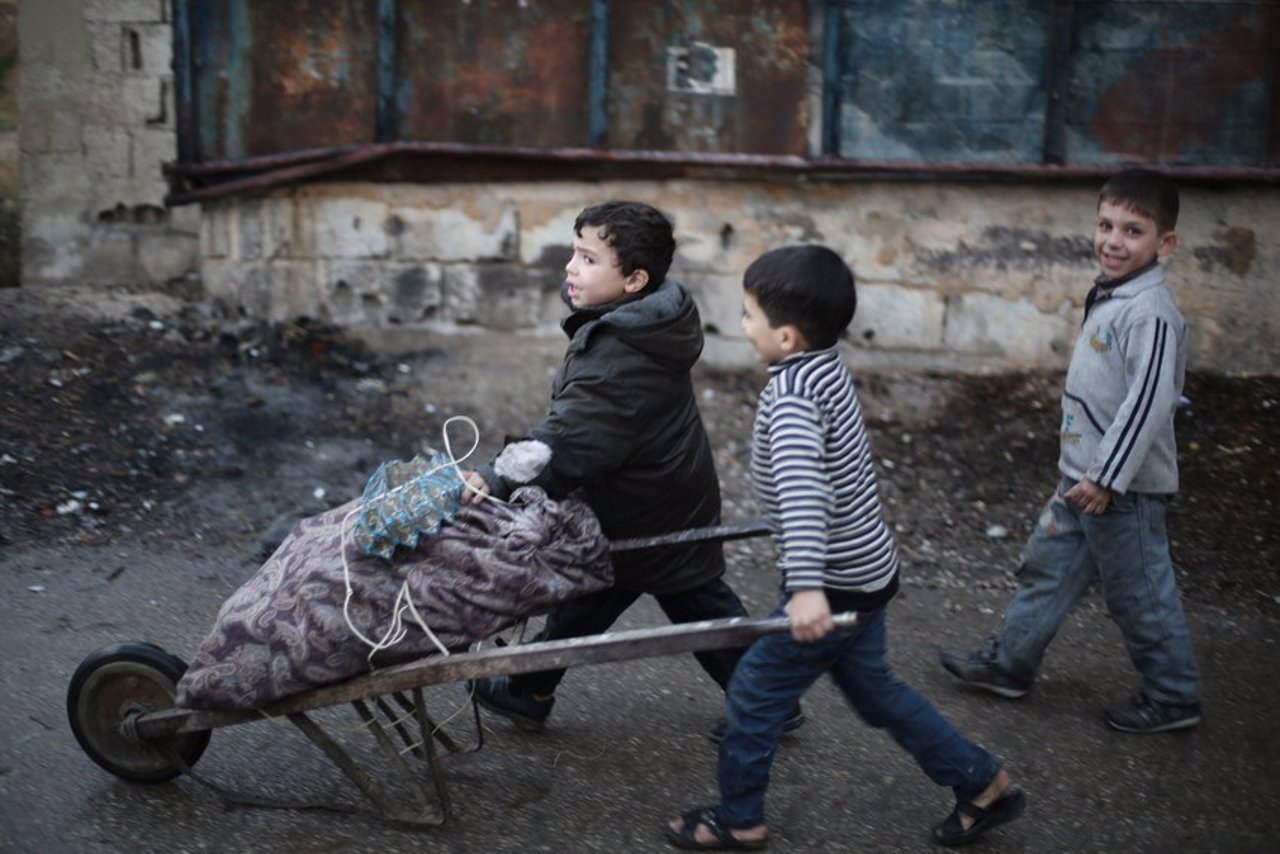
769, 681
712, 601
1055, 573
574, 618
526, 699
888, 703
1131, 547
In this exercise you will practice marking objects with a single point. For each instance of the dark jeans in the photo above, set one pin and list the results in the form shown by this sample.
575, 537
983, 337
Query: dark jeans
596, 612
777, 670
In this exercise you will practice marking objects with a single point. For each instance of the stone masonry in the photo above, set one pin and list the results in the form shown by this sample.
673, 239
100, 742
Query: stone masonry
971, 277
97, 123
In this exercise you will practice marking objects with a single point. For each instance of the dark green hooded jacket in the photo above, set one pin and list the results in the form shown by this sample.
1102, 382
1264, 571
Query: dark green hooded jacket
625, 433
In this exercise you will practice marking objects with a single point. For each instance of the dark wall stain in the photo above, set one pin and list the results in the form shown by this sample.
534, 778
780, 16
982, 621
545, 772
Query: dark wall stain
553, 256
1004, 248
499, 280
808, 228
409, 288
1236, 252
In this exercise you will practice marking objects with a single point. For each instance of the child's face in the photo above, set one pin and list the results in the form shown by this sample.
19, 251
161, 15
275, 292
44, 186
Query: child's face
593, 273
768, 341
1125, 241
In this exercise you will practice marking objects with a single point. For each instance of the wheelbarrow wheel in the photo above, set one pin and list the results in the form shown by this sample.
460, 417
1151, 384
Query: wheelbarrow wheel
116, 684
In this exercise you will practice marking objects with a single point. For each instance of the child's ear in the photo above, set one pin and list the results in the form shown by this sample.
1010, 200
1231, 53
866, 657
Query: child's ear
636, 281
1168, 243
791, 339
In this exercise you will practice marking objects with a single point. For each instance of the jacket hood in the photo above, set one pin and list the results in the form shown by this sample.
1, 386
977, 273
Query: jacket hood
664, 325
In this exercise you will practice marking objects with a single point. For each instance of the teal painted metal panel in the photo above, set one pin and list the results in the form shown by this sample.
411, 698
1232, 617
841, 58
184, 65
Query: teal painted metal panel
954, 81
1173, 84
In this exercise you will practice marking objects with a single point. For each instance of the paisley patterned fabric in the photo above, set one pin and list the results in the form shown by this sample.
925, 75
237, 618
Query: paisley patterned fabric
284, 631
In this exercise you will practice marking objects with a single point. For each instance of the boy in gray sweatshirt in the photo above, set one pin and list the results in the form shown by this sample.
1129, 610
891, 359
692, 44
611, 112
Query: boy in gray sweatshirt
1118, 467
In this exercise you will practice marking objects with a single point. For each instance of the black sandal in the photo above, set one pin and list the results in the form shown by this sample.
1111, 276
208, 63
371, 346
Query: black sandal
951, 832
687, 836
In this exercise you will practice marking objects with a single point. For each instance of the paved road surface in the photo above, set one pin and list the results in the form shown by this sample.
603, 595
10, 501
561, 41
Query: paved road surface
626, 748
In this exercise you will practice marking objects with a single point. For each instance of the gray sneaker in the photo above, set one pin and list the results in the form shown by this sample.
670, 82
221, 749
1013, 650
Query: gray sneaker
981, 671
1143, 714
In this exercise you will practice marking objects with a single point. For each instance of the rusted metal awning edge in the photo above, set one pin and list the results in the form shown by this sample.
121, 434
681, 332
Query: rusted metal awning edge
438, 161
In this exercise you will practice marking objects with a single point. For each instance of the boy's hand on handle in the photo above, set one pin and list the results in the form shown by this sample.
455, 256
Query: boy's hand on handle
810, 615
1089, 497
475, 490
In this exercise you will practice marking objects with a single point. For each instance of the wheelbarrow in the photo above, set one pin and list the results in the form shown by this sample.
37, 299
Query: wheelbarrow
122, 710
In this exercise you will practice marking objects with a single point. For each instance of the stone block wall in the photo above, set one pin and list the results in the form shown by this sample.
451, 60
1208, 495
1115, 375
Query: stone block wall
97, 125
950, 276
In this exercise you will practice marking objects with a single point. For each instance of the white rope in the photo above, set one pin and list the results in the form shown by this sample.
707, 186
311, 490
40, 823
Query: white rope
396, 630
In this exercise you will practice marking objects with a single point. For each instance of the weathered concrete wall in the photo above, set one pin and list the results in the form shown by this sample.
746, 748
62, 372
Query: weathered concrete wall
97, 123
962, 276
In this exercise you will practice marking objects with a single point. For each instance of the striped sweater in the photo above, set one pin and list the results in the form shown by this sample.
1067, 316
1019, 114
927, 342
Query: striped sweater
1123, 387
814, 480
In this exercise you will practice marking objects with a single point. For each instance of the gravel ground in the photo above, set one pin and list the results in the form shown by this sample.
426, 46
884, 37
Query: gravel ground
140, 416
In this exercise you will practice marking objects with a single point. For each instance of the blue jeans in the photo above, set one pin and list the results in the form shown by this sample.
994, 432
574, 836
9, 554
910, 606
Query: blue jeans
776, 671
1127, 549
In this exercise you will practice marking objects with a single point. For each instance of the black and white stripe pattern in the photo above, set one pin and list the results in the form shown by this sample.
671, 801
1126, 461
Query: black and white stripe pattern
813, 477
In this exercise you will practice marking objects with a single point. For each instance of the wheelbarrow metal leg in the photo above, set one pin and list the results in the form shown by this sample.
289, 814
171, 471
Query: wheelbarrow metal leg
420, 796
397, 721
357, 775
429, 729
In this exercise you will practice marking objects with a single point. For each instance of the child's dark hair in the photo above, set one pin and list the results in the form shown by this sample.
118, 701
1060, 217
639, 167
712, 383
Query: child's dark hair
641, 234
1145, 192
809, 287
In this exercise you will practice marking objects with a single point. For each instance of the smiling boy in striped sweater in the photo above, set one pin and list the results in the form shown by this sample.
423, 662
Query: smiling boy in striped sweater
812, 473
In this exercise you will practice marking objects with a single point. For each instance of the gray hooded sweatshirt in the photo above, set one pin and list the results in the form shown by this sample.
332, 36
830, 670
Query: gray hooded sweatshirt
1123, 386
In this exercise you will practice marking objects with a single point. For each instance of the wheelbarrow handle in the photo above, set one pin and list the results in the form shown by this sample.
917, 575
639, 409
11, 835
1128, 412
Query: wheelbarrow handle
621, 645
713, 533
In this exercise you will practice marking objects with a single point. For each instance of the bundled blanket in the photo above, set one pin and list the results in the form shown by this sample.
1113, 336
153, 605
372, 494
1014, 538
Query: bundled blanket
285, 631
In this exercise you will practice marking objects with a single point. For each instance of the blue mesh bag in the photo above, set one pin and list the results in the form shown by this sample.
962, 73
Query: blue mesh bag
405, 500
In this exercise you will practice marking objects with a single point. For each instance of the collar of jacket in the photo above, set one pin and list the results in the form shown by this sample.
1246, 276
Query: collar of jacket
1103, 282
659, 303
1150, 276
803, 356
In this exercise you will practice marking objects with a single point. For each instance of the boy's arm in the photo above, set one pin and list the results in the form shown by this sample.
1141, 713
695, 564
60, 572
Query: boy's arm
1089, 497
810, 615
1150, 364
590, 429
804, 494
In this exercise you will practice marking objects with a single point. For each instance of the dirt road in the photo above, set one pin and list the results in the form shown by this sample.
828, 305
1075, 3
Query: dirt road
150, 452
